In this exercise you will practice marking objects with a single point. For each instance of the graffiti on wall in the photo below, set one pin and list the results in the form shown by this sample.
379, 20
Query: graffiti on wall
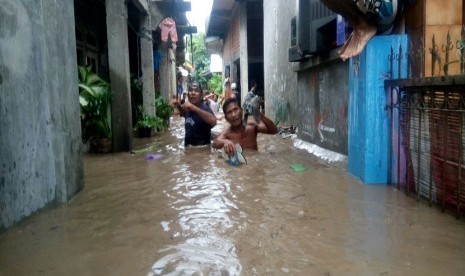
323, 105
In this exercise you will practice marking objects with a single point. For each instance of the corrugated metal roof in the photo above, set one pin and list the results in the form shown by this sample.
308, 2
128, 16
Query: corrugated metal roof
220, 18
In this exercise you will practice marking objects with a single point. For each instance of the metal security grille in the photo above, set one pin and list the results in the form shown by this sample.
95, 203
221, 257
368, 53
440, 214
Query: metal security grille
427, 124
427, 131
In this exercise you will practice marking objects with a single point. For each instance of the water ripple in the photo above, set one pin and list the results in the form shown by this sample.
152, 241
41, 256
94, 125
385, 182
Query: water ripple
205, 255
207, 214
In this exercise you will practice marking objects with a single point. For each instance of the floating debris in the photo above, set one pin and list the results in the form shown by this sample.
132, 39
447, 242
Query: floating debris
147, 149
297, 167
153, 156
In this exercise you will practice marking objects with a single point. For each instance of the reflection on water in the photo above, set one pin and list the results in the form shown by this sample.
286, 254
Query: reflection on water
207, 214
187, 212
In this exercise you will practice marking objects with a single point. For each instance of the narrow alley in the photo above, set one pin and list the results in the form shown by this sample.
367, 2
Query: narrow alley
85, 76
166, 210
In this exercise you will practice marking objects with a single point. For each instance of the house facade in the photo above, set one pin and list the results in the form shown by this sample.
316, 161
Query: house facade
255, 42
403, 135
308, 90
41, 45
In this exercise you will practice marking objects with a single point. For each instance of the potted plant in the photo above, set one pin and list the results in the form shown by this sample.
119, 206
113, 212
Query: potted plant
95, 99
145, 124
136, 97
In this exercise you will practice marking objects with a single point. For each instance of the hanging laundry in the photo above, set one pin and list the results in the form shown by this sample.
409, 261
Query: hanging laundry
168, 28
157, 59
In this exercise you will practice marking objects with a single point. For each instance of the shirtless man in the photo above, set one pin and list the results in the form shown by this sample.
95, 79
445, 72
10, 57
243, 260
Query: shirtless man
244, 133
366, 19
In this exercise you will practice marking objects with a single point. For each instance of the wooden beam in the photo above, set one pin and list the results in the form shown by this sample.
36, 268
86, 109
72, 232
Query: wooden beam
187, 29
178, 6
226, 15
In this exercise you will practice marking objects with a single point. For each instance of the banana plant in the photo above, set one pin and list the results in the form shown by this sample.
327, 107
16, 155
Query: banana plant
95, 101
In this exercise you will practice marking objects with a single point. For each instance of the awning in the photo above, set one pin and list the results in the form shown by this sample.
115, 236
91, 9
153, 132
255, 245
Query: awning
218, 24
214, 45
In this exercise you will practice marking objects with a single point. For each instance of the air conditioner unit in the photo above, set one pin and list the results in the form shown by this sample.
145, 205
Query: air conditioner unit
313, 30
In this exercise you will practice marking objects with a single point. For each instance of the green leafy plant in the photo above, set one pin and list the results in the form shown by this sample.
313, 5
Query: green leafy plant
159, 122
216, 84
95, 101
164, 111
146, 121
136, 97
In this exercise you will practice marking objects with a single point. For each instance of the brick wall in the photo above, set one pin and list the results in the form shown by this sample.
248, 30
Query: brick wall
232, 41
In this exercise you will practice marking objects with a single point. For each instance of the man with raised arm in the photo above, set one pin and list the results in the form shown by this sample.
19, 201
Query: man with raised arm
240, 131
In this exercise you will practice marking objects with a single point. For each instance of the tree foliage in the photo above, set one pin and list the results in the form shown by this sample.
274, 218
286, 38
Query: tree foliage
201, 58
215, 83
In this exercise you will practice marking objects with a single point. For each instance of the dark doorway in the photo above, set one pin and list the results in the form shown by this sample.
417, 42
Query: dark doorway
91, 36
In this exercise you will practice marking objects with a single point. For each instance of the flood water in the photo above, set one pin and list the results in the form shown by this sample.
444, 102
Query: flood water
188, 212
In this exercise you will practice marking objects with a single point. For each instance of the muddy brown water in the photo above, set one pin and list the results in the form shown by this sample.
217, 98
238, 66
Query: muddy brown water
191, 213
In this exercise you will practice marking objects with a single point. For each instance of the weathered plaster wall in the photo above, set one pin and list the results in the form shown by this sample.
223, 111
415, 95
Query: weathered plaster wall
118, 61
142, 5
312, 95
40, 135
280, 79
243, 50
146, 48
323, 98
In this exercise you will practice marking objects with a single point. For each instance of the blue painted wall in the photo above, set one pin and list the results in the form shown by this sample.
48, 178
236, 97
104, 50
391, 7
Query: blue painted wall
368, 120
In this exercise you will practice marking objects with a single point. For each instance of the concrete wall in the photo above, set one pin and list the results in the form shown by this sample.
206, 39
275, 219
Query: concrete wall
322, 105
312, 95
146, 48
146, 56
280, 78
118, 61
40, 135
142, 5
243, 51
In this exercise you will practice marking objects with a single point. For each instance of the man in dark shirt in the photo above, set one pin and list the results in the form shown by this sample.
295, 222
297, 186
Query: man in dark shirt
199, 118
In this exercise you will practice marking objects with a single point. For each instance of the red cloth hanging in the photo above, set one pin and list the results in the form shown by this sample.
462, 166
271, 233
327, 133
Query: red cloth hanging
168, 29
